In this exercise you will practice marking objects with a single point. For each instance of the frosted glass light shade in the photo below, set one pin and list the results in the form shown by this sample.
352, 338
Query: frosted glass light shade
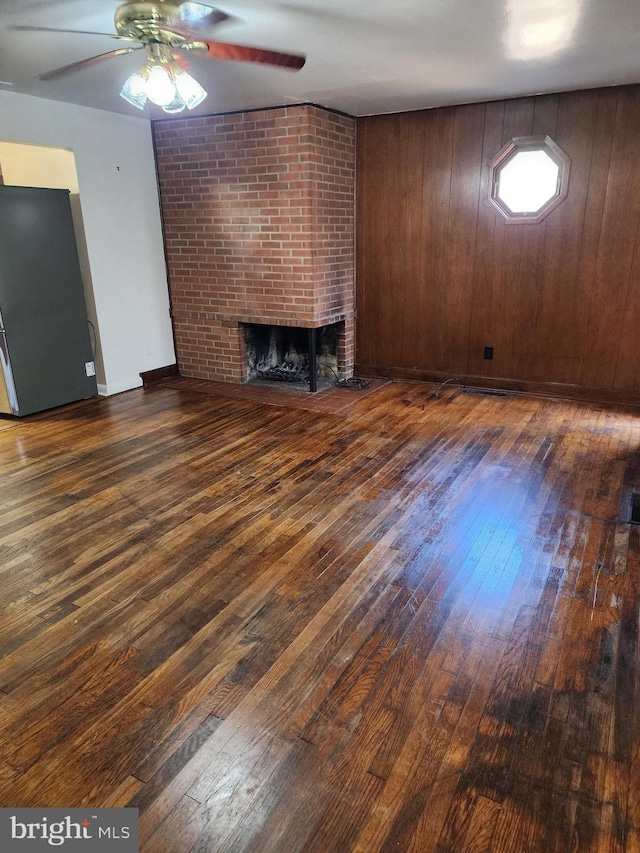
176, 106
135, 89
189, 89
161, 89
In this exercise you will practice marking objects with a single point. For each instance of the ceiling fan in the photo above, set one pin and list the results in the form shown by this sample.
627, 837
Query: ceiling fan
168, 31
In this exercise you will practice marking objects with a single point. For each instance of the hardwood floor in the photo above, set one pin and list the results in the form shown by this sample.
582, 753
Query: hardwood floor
411, 625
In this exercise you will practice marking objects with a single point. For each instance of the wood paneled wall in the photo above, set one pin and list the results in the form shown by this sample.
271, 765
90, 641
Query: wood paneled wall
440, 275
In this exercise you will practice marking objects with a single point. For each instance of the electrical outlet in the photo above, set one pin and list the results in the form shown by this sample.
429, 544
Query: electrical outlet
488, 353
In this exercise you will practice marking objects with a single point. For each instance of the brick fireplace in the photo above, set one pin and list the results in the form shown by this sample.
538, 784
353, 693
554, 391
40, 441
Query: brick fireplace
258, 212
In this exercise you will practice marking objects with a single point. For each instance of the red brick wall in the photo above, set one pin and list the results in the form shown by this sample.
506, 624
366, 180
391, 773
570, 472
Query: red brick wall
258, 213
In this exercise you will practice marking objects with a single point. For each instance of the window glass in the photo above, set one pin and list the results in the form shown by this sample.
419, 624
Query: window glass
528, 181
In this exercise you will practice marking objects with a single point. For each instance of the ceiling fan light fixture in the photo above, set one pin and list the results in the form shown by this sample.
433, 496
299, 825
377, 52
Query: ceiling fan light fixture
165, 85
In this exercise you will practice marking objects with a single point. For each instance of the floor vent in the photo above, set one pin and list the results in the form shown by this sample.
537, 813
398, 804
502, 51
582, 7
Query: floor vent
634, 515
486, 392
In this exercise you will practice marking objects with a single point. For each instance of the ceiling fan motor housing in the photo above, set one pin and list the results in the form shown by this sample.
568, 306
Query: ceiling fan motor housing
146, 21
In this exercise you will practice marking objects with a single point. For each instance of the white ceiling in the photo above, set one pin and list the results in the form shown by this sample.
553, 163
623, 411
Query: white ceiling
362, 57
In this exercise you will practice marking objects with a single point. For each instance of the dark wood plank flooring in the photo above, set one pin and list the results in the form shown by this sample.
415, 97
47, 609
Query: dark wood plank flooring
410, 625
327, 400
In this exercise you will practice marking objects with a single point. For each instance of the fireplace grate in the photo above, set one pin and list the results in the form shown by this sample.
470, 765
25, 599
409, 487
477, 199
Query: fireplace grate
285, 372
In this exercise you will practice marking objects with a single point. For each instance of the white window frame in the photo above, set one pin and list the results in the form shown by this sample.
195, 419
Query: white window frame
506, 153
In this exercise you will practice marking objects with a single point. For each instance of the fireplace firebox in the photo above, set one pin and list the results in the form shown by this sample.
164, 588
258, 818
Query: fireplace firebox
292, 354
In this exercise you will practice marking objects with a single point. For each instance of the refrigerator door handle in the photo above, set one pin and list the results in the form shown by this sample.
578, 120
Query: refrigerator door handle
8, 396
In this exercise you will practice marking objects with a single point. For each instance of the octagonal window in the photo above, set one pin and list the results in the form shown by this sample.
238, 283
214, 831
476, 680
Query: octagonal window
529, 178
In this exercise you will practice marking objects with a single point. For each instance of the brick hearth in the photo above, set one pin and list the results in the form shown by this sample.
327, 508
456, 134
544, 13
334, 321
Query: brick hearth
258, 213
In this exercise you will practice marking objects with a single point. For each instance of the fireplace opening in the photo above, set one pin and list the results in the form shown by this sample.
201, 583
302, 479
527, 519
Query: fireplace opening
292, 355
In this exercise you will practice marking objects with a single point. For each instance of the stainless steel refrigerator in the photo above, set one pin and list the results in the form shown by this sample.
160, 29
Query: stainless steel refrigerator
46, 357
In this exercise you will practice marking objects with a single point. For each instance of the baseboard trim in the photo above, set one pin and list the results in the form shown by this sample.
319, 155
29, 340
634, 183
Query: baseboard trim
559, 390
119, 387
150, 376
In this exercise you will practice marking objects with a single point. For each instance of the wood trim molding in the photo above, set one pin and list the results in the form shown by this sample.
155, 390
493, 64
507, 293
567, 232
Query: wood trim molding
540, 389
150, 376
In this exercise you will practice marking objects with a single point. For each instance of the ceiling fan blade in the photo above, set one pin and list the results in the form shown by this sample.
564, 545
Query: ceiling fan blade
241, 53
201, 15
26, 29
85, 63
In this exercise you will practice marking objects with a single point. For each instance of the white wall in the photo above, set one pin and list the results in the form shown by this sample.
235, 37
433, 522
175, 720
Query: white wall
121, 216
